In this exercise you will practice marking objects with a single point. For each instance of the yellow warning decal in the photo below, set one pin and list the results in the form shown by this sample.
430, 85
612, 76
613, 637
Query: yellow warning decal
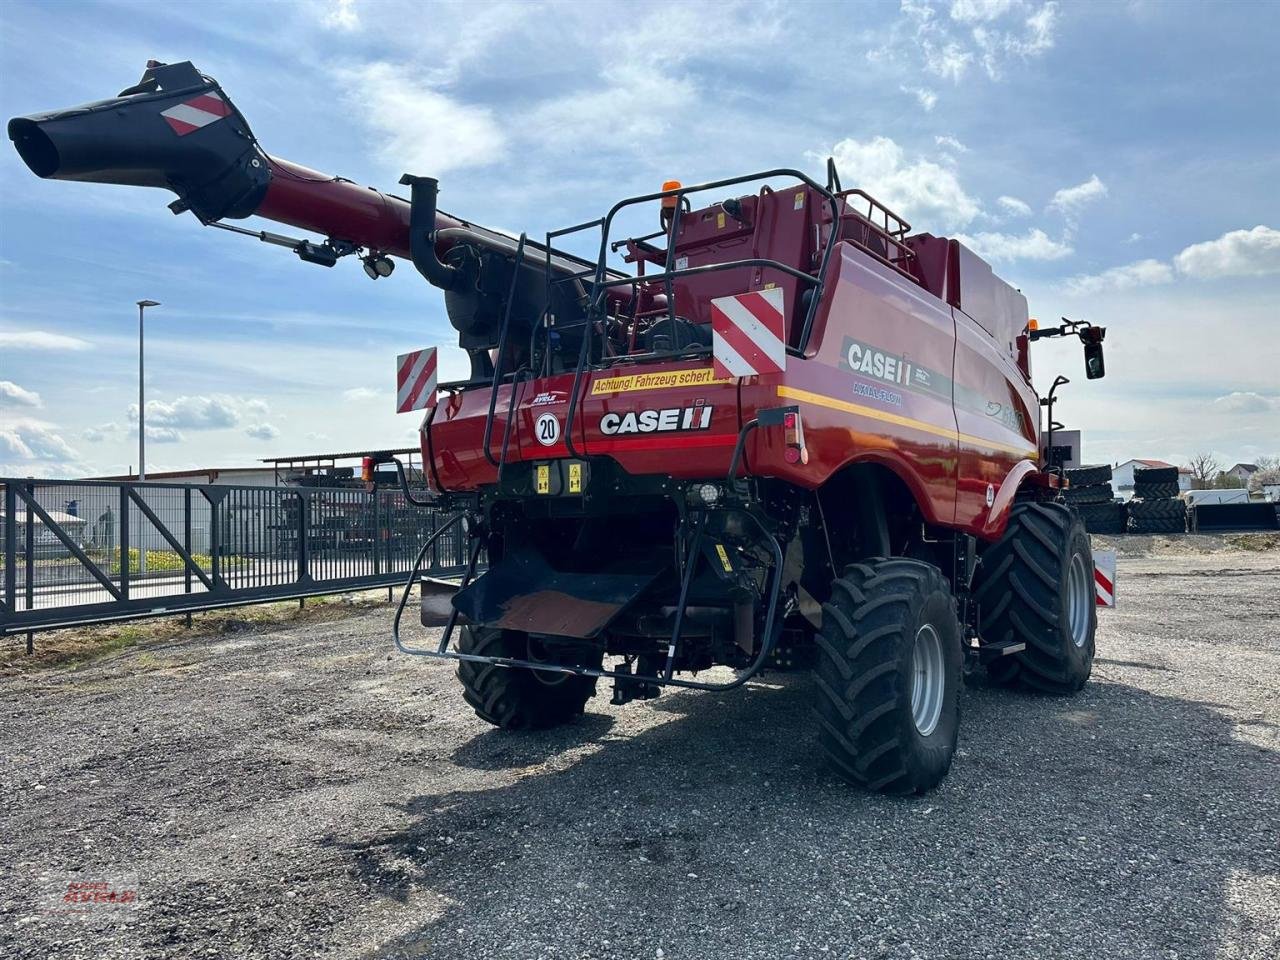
575, 478
543, 480
635, 382
724, 558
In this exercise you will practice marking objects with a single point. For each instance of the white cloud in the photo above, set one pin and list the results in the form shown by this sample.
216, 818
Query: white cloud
925, 97
40, 340
213, 412
360, 393
1035, 244
262, 431
989, 32
1014, 206
192, 413
100, 433
1143, 273
951, 143
948, 61
920, 190
420, 128
1247, 402
976, 11
164, 434
12, 395
1069, 200
31, 441
342, 15
1240, 253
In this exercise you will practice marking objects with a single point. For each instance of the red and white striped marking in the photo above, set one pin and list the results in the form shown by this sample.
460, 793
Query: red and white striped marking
748, 334
1104, 577
416, 380
190, 115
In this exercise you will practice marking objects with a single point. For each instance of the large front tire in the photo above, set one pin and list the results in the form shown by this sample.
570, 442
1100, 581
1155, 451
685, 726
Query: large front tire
1035, 585
888, 676
515, 698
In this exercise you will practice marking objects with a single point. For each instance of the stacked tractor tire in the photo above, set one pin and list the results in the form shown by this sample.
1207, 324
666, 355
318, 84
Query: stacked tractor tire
1091, 495
1156, 507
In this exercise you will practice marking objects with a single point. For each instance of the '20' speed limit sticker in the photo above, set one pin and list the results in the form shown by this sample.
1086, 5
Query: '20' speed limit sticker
547, 429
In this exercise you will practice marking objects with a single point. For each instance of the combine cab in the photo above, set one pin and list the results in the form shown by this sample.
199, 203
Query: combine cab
780, 429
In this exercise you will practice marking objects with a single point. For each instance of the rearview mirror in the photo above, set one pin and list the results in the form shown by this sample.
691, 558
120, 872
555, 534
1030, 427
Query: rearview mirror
1094, 367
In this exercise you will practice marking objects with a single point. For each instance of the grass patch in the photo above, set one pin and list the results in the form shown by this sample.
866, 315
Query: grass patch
78, 646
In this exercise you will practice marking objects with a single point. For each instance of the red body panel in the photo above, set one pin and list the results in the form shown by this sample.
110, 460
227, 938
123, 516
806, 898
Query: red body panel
894, 376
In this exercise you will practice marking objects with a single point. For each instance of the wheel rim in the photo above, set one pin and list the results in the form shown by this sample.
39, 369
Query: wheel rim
1079, 600
928, 680
537, 652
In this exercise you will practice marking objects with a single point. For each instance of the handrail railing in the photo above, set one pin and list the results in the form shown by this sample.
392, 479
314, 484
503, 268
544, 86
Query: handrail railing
601, 285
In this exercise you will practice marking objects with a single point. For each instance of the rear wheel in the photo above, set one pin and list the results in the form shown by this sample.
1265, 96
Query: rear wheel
1089, 476
1156, 491
1158, 516
515, 698
1036, 586
1103, 517
888, 676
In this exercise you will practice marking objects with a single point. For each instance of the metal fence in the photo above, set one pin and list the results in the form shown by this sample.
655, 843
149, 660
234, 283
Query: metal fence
77, 551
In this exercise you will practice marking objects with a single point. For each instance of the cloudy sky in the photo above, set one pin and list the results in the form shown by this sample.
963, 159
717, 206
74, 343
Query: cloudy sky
1117, 161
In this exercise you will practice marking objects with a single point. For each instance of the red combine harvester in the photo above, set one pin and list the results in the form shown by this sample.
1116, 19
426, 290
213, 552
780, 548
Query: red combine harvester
796, 431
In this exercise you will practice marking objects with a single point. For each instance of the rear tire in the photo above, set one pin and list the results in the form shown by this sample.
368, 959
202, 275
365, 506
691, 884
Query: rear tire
888, 676
1100, 493
1103, 517
1089, 476
513, 698
1155, 491
1158, 516
1036, 586
1155, 475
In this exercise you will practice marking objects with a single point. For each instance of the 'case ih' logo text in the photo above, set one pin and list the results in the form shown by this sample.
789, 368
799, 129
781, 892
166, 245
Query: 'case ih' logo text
657, 421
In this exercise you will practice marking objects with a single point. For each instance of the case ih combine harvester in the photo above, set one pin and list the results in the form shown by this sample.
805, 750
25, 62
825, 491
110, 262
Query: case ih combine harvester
795, 431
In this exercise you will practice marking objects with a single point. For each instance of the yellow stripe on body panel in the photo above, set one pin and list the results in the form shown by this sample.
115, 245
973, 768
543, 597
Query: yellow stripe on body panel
822, 400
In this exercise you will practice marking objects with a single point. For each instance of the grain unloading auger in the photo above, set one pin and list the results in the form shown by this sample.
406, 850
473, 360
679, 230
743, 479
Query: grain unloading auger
805, 432
177, 129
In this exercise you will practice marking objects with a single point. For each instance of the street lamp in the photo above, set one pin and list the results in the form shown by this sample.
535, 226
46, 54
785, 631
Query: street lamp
142, 426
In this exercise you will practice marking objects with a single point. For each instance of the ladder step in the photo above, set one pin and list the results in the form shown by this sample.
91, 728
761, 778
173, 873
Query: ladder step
1002, 648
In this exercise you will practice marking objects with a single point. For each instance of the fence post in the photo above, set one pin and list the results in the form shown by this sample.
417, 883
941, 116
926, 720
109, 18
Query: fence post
186, 538
124, 541
30, 555
304, 527
377, 533
215, 541
10, 548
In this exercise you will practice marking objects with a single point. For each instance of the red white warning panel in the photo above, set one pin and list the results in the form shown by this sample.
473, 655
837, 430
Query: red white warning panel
1104, 577
748, 334
416, 380
190, 115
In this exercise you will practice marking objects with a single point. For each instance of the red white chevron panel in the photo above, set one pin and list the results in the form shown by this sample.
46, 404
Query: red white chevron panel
190, 115
416, 380
1104, 577
748, 334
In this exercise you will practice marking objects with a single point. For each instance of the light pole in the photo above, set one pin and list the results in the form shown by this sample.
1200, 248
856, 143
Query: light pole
142, 426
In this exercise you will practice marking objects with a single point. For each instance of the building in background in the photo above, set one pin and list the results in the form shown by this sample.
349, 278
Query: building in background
1242, 472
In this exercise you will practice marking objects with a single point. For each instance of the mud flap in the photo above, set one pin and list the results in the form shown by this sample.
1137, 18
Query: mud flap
521, 592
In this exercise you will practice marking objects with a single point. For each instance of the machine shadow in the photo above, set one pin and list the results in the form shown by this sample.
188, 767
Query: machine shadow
723, 797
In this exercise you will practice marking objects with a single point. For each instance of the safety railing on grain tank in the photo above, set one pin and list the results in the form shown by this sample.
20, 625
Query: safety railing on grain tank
76, 552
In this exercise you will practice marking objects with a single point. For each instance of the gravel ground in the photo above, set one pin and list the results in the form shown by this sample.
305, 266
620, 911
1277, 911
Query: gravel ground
296, 792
